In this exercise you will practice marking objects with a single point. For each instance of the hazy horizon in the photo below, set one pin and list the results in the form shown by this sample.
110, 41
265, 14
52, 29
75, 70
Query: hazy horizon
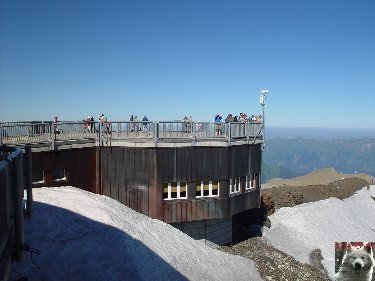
325, 133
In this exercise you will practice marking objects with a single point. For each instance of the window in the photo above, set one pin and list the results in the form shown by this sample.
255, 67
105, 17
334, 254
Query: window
59, 175
215, 188
38, 178
207, 189
234, 185
175, 190
250, 182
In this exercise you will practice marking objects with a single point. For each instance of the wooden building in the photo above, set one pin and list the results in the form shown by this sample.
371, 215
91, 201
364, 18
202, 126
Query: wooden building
195, 175
177, 185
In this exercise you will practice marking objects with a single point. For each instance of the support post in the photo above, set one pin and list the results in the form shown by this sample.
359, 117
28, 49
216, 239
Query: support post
1, 134
52, 136
247, 128
156, 133
193, 135
229, 133
18, 206
29, 175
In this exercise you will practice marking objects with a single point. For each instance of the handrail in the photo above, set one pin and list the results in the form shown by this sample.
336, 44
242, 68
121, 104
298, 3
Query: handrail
103, 133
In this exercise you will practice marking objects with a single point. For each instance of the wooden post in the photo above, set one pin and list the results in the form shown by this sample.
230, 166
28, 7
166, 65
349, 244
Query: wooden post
18, 207
29, 175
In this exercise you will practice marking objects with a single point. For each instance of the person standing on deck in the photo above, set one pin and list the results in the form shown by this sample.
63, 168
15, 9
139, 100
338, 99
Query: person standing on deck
145, 120
218, 124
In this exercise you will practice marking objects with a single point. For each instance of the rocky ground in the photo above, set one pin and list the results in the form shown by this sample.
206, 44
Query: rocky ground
271, 263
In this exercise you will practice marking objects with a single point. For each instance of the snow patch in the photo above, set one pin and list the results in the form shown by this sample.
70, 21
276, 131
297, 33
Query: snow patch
299, 230
85, 236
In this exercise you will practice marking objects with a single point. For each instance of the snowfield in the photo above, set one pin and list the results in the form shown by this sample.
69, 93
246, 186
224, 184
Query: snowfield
84, 236
299, 230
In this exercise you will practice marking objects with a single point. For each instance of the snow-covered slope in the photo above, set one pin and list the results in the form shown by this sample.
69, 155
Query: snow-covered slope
84, 236
299, 230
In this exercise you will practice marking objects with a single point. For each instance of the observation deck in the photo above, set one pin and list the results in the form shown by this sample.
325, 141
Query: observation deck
48, 135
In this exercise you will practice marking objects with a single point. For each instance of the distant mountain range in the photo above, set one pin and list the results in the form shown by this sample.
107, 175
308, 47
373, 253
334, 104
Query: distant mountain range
292, 157
319, 133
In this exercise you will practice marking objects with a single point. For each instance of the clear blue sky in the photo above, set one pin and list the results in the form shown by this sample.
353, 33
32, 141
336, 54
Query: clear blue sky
167, 59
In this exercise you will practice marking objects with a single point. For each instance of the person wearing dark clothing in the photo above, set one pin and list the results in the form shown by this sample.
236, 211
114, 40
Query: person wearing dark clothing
92, 121
145, 120
218, 124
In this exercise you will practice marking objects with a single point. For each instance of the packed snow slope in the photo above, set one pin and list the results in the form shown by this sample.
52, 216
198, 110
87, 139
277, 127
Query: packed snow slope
299, 230
84, 236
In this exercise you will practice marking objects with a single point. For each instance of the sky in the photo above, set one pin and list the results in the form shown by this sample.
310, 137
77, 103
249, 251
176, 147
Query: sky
167, 59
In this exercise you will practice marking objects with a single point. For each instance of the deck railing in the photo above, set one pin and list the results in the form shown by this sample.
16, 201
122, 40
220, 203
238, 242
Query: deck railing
103, 133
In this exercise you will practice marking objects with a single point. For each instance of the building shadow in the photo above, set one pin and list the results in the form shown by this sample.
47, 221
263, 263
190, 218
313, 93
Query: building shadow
74, 247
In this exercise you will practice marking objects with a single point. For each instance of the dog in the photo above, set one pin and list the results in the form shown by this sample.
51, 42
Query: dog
357, 264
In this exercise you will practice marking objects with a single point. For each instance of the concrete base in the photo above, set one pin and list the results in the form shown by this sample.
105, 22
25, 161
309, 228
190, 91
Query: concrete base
212, 232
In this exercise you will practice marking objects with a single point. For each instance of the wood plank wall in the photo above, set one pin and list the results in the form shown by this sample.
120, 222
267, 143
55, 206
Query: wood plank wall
135, 177
79, 163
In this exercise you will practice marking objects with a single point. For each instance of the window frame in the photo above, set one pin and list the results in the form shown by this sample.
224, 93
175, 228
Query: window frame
235, 185
210, 189
178, 189
250, 182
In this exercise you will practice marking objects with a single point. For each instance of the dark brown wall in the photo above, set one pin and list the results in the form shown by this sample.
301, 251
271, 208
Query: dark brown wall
135, 177
127, 175
209, 208
207, 163
80, 164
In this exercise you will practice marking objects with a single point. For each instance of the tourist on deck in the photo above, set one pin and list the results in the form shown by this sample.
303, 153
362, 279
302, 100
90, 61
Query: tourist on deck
240, 117
102, 121
92, 123
245, 119
131, 125
190, 120
84, 125
56, 130
218, 124
88, 125
185, 120
108, 129
145, 124
136, 125
229, 118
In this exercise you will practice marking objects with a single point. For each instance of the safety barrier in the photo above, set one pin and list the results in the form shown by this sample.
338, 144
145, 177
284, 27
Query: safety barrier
102, 133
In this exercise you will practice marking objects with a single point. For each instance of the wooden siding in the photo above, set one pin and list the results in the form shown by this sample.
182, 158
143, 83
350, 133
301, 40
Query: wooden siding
135, 177
79, 163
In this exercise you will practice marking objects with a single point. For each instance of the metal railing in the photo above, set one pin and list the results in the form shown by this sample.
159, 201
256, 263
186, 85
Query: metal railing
103, 133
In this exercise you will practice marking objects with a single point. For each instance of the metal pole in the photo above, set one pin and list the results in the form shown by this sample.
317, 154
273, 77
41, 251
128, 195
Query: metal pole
263, 103
229, 133
52, 135
156, 133
1, 134
264, 128
193, 129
